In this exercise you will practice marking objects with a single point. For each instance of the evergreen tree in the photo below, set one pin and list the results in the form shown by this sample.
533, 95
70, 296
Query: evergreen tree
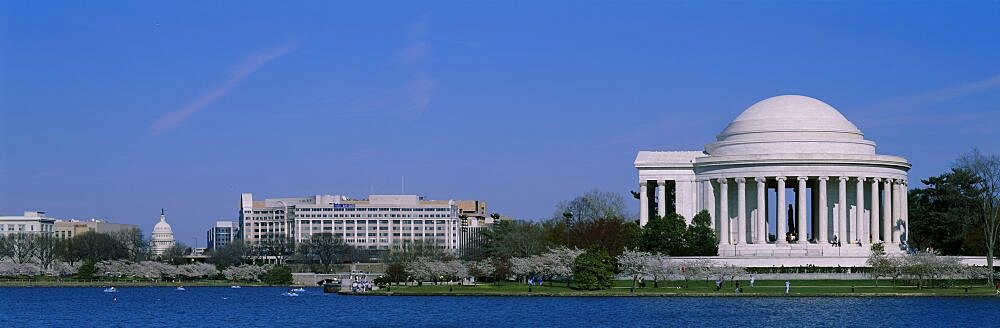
667, 235
701, 238
594, 269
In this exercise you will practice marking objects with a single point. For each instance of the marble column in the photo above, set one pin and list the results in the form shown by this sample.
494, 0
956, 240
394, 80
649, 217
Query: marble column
800, 211
904, 211
895, 211
761, 232
741, 206
861, 225
887, 211
661, 198
782, 215
643, 204
875, 215
822, 211
842, 210
710, 202
724, 237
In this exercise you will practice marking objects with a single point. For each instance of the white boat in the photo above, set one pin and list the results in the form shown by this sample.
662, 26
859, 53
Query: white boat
180, 288
110, 290
235, 287
290, 294
299, 290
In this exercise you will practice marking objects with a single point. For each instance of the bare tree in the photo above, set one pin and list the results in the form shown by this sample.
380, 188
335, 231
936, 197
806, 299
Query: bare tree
20, 247
45, 251
987, 169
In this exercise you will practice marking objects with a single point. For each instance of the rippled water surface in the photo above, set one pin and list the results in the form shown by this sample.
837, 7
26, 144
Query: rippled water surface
266, 307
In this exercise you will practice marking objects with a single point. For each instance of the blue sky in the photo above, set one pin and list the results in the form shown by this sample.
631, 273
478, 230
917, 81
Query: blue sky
118, 109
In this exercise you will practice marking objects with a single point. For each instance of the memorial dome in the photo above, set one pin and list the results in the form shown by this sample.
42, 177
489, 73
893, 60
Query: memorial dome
790, 124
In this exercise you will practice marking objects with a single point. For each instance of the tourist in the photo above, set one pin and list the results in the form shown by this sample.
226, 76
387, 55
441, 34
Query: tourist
718, 284
738, 288
751, 281
787, 284
539, 281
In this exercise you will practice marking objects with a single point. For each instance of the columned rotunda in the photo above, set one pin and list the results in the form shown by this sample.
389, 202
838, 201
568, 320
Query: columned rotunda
790, 176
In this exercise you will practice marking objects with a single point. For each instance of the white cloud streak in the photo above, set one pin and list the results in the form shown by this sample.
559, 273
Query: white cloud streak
420, 87
936, 96
250, 64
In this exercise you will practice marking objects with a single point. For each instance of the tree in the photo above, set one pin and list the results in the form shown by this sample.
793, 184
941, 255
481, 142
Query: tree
86, 271
634, 263
482, 268
557, 263
594, 269
45, 251
701, 238
611, 234
943, 215
134, 246
229, 255
20, 247
592, 205
660, 266
511, 238
666, 235
987, 170
881, 265
175, 254
277, 246
278, 275
325, 248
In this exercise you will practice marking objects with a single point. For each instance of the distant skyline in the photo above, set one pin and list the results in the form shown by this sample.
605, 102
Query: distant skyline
116, 110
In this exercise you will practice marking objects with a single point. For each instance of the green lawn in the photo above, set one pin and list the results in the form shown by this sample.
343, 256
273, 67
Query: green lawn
701, 288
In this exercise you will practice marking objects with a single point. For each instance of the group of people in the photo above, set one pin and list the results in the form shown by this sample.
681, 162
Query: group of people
360, 285
836, 241
739, 289
534, 280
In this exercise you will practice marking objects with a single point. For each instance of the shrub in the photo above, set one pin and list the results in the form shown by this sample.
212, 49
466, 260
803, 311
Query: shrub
86, 271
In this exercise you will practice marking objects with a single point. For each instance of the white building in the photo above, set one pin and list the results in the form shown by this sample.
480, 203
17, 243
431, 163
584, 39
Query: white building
788, 177
30, 222
66, 229
378, 223
163, 236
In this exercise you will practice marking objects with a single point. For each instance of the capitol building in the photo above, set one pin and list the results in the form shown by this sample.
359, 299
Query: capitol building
163, 236
789, 177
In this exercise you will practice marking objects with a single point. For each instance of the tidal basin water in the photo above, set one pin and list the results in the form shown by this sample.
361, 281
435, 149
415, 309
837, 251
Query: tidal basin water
266, 307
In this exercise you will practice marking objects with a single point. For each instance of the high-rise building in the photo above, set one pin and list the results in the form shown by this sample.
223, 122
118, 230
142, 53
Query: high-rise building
30, 222
223, 233
380, 222
163, 235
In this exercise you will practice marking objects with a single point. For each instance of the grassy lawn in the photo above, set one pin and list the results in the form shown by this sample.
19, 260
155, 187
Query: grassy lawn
701, 288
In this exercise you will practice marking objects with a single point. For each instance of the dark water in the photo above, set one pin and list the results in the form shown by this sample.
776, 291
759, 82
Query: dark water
266, 307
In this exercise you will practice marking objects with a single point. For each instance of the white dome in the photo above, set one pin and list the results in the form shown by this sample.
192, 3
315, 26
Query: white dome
790, 124
163, 236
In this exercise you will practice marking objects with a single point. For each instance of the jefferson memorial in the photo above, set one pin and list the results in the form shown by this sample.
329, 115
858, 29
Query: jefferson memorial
789, 177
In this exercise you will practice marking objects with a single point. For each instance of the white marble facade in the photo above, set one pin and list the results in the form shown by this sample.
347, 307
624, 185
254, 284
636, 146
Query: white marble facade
803, 147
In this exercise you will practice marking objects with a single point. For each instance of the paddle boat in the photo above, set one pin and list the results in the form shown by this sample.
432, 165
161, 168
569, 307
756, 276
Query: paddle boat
111, 289
180, 288
290, 294
299, 290
235, 287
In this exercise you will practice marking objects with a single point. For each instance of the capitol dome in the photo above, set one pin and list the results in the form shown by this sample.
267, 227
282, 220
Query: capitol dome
163, 235
790, 124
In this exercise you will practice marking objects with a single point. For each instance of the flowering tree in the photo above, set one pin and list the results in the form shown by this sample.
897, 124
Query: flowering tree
633, 263
246, 272
660, 266
557, 263
483, 268
525, 267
